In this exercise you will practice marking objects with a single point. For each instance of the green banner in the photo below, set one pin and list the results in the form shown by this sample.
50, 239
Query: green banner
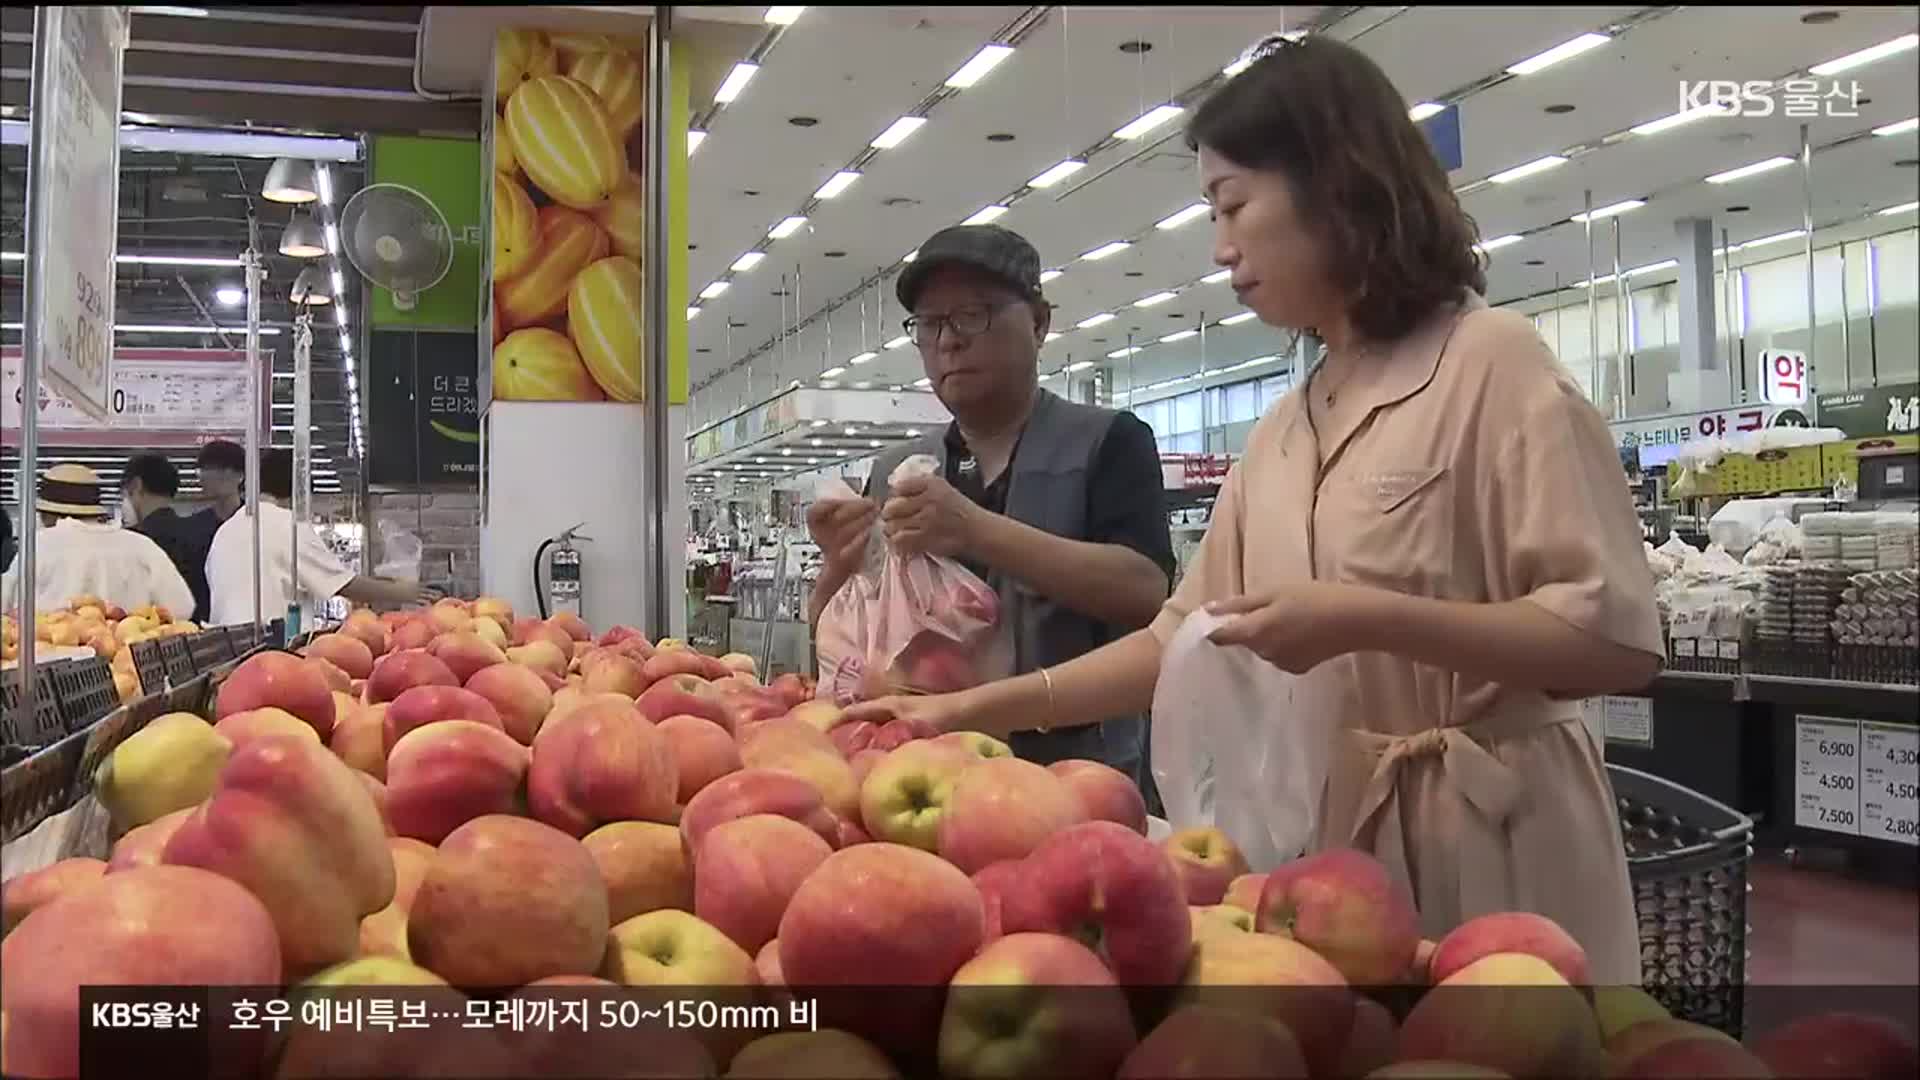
1889, 409
447, 172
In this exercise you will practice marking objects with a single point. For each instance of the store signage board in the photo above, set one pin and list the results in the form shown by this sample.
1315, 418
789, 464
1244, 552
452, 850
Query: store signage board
423, 409
804, 407
1624, 720
156, 397
1783, 374
1826, 765
76, 227
1677, 428
1890, 782
1892, 409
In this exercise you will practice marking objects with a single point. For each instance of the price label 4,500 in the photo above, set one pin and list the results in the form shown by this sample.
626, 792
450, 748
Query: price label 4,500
1890, 782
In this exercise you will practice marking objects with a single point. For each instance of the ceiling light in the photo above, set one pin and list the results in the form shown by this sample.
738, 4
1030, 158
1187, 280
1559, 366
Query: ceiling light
290, 180
694, 139
310, 287
1156, 298
714, 290
897, 132
340, 320
1685, 116
1055, 335
1531, 168
1078, 366
346, 343
1122, 354
986, 215
1179, 335
1745, 171
836, 184
230, 295
302, 238
167, 328
339, 283
1425, 109
898, 342
1609, 211
1866, 56
863, 358
784, 16
1105, 250
736, 81
693, 313
1181, 217
1094, 320
1049, 275
1498, 242
1776, 238
1653, 268
1216, 277
974, 70
1057, 173
1564, 51
1900, 127
1903, 208
786, 228
333, 239
748, 261
876, 444
833, 373
1149, 120
863, 386
1236, 320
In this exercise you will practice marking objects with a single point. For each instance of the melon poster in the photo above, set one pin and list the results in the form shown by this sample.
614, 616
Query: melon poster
567, 222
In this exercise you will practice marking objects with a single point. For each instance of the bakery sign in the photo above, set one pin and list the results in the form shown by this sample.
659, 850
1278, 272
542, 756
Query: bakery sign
1677, 428
1889, 409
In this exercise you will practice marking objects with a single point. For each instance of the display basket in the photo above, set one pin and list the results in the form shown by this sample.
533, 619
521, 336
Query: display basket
1687, 859
211, 648
23, 735
177, 656
36, 787
149, 665
85, 691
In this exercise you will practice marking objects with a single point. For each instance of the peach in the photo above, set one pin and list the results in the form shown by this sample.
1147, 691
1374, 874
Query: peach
1003, 808
1199, 1042
384, 933
365, 627
1243, 892
1271, 976
1837, 1044
1107, 793
465, 653
1509, 932
749, 870
422, 705
444, 775
402, 670
24, 894
145, 845
1207, 862
1348, 907
755, 791
543, 656
507, 901
1103, 877
283, 681
598, 763
1510, 1012
360, 739
905, 794
297, 827
243, 727
159, 925
518, 695
702, 751
612, 673
1072, 1019
644, 866
346, 652
411, 634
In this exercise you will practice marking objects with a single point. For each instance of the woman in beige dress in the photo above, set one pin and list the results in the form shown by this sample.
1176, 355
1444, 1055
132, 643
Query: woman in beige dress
1434, 526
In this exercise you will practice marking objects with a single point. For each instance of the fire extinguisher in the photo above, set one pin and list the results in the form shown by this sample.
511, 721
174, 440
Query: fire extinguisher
562, 589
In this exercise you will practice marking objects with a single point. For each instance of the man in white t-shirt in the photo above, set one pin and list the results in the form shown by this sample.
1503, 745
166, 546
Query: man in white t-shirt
322, 575
79, 552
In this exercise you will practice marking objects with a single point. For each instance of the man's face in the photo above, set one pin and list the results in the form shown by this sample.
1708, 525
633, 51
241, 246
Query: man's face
218, 482
998, 362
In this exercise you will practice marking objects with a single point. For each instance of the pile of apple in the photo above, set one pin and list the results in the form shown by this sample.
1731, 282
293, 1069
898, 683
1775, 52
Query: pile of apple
455, 798
108, 629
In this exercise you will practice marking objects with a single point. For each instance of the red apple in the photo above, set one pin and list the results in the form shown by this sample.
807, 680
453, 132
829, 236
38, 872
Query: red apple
518, 694
1510, 1012
422, 705
1268, 975
1199, 1042
349, 654
679, 696
1837, 1044
1207, 862
465, 653
1002, 808
279, 680
413, 633
749, 870
755, 791
1104, 878
402, 670
1348, 907
1107, 793
598, 763
993, 883
1509, 932
702, 752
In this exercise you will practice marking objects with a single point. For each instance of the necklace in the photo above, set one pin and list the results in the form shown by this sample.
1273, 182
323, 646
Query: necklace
1353, 360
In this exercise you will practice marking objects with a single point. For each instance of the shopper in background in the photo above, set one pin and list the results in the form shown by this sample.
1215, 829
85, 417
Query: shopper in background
1056, 505
223, 476
6, 539
1432, 527
80, 552
322, 575
147, 489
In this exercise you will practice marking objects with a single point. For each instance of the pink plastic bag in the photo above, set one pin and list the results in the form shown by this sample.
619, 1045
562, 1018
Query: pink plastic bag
916, 624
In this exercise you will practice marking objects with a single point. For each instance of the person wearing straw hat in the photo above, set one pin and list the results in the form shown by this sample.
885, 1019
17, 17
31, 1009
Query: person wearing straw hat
80, 551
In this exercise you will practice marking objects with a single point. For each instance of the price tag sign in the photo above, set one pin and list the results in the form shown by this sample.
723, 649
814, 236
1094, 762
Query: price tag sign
1890, 782
1827, 774
75, 225
1629, 720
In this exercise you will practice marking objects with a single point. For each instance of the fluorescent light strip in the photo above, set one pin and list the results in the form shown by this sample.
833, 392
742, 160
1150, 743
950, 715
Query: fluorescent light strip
1686, 116
1077, 366
786, 228
1181, 217
1754, 169
1498, 242
1236, 320
714, 290
863, 358
1105, 250
693, 313
1057, 173
899, 342
1053, 336
1901, 127
1776, 238
897, 132
212, 143
1531, 168
146, 260
836, 184
1903, 208
986, 215
736, 81
1147, 121
833, 373
1563, 51
1122, 354
1156, 298
694, 139
1424, 110
1179, 335
748, 261
169, 328
1049, 275
784, 16
1094, 320
984, 61
1216, 277
1609, 211
1866, 56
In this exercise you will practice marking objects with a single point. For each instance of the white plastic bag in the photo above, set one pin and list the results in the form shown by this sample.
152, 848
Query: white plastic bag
1240, 745
402, 550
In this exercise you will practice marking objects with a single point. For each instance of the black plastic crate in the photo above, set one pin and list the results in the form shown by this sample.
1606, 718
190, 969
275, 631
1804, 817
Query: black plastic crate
37, 788
177, 658
150, 665
44, 727
85, 691
210, 649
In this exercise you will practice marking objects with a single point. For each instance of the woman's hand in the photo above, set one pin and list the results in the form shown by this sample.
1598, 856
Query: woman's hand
926, 715
1298, 627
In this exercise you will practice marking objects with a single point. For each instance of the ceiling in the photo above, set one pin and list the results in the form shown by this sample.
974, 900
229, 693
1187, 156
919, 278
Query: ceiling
840, 76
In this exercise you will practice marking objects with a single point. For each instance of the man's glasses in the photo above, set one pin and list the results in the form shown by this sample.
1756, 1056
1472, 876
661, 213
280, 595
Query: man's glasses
970, 321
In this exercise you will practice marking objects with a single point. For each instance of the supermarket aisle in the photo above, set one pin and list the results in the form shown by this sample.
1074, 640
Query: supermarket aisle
1816, 926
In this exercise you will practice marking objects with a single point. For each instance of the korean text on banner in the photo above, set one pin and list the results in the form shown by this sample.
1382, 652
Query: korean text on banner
76, 229
155, 397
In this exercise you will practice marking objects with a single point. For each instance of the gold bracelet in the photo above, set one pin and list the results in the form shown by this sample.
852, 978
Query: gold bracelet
1052, 703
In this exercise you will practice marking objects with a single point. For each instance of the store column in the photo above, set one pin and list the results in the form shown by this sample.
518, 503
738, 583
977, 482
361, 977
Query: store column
1699, 382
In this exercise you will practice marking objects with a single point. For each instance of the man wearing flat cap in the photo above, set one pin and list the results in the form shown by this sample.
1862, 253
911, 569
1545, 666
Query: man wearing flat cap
1058, 506
80, 551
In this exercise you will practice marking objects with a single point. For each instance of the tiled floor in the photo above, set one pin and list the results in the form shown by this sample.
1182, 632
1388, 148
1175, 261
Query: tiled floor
1817, 925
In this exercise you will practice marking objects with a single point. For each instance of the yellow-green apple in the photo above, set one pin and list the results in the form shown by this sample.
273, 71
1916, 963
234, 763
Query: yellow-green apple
1509, 932
402, 670
155, 926
1219, 919
1348, 907
1837, 1044
494, 610
169, 765
374, 970
1207, 862
365, 627
465, 652
792, 746
1113, 889
835, 934
360, 739
612, 673
444, 775
279, 680
644, 866
1106, 792
297, 827
572, 625
492, 633
1274, 977
675, 948
1034, 1005
423, 705
598, 763
702, 752
384, 933
683, 695
1243, 892
978, 744
346, 652
412, 633
506, 901
145, 845
755, 791
906, 793
1370, 1045
518, 695
810, 1055
541, 655
35, 889
749, 869
1199, 1042
1508, 1011
241, 728
1002, 808
820, 715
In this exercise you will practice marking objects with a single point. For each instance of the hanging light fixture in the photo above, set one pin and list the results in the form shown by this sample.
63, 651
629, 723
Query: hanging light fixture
291, 180
312, 287
303, 238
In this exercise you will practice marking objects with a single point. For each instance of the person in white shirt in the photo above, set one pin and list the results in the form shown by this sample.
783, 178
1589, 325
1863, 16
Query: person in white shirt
79, 552
322, 575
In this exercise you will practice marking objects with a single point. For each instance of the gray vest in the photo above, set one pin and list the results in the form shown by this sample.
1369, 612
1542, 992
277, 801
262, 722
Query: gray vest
1047, 489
